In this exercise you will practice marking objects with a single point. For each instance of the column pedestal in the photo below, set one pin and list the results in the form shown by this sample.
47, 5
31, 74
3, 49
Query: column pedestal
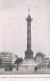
28, 54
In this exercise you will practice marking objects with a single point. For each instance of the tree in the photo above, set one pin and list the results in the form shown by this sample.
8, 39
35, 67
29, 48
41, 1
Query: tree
0, 61
48, 65
18, 61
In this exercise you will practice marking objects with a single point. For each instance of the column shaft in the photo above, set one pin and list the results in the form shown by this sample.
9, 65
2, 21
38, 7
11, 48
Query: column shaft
29, 35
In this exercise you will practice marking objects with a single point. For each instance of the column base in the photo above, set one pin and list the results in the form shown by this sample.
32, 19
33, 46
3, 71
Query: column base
28, 54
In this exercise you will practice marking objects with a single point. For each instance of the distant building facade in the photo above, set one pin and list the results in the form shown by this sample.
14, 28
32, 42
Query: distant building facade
42, 60
14, 58
47, 61
7, 58
39, 58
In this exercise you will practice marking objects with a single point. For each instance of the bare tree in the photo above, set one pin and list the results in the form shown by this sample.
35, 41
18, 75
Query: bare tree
18, 61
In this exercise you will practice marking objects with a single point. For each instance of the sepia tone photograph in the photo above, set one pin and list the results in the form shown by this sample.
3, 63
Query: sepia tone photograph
24, 37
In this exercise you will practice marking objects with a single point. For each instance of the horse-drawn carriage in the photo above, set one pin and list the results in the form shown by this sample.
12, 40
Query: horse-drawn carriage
9, 68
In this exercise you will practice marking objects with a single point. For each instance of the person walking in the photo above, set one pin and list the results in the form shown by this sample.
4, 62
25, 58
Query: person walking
36, 68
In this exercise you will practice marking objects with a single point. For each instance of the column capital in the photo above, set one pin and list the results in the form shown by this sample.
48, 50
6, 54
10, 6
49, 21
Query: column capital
29, 18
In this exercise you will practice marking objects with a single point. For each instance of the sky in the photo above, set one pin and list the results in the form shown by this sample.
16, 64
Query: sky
13, 26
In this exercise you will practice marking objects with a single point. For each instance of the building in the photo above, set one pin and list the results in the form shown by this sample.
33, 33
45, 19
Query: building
39, 58
47, 61
42, 60
14, 58
8, 58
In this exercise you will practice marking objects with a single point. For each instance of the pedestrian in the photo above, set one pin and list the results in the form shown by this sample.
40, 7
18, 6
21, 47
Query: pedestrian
17, 68
36, 68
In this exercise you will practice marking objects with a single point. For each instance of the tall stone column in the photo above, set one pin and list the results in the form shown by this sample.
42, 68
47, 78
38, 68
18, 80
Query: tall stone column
29, 52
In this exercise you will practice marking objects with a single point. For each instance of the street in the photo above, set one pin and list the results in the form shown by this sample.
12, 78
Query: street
25, 71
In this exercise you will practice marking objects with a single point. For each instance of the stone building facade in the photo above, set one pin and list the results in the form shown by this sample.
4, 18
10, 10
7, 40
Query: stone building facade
39, 58
7, 58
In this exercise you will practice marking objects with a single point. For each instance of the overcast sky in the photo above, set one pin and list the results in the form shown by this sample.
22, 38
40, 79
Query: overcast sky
13, 26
